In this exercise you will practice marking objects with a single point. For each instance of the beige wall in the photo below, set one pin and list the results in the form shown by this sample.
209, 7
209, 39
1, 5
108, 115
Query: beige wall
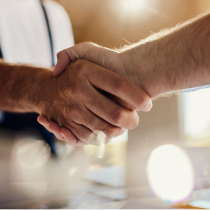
106, 23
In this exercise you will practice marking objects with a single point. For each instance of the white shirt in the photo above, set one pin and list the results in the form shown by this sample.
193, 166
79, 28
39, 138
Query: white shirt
24, 35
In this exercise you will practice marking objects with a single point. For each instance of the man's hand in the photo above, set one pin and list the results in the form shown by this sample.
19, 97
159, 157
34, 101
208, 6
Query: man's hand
129, 65
105, 58
75, 101
168, 61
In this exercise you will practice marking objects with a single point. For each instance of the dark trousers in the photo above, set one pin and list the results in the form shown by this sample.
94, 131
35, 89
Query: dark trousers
21, 122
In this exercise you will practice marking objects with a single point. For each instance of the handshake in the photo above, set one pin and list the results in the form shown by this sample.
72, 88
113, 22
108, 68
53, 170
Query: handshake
98, 89
92, 89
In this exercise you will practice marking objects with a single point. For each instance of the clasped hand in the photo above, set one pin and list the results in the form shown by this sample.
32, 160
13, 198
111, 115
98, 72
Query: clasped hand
87, 97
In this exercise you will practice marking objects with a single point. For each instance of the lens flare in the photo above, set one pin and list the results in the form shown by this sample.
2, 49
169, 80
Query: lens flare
31, 153
170, 173
132, 5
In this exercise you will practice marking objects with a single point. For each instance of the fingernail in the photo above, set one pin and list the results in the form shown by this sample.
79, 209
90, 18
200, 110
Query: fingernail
148, 107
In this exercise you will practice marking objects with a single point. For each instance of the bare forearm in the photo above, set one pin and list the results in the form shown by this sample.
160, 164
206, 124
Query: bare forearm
21, 87
174, 59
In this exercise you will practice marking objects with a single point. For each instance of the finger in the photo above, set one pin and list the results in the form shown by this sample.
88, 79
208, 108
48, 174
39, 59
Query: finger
70, 138
93, 122
119, 101
110, 111
44, 122
117, 85
128, 106
62, 63
98, 55
79, 51
54, 128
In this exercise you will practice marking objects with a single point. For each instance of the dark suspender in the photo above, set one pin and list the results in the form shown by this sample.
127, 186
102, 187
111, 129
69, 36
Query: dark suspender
1, 55
49, 33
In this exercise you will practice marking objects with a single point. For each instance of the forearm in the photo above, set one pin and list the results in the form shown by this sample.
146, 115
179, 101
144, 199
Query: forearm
174, 59
22, 87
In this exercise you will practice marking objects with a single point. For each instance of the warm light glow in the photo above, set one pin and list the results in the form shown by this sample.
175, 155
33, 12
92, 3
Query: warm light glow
170, 173
31, 153
132, 5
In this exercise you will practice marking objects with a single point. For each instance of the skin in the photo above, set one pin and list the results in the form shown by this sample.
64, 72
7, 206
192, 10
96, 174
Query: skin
74, 100
166, 62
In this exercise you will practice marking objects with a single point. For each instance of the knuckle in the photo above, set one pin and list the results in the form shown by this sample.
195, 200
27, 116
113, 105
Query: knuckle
51, 127
81, 68
81, 64
119, 117
120, 85
59, 54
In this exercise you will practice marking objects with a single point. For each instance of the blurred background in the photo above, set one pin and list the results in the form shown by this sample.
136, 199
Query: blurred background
123, 173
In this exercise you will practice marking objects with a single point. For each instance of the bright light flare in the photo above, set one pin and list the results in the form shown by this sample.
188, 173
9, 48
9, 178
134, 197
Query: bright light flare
170, 173
132, 5
31, 153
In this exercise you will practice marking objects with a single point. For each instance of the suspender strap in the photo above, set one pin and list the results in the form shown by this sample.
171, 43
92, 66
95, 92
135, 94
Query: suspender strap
49, 33
1, 55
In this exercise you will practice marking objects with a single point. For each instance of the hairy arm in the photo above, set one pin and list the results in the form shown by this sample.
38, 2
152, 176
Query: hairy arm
22, 88
171, 60
72, 100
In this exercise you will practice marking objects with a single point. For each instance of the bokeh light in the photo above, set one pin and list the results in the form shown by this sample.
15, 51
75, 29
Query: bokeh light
132, 5
31, 153
170, 173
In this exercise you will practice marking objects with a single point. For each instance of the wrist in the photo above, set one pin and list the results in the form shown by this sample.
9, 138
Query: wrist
156, 65
145, 68
36, 90
43, 91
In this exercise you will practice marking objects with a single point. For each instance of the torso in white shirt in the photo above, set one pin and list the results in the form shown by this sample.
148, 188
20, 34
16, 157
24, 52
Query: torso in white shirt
24, 36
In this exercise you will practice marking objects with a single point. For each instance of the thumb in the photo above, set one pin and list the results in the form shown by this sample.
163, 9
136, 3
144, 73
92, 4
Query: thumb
88, 51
